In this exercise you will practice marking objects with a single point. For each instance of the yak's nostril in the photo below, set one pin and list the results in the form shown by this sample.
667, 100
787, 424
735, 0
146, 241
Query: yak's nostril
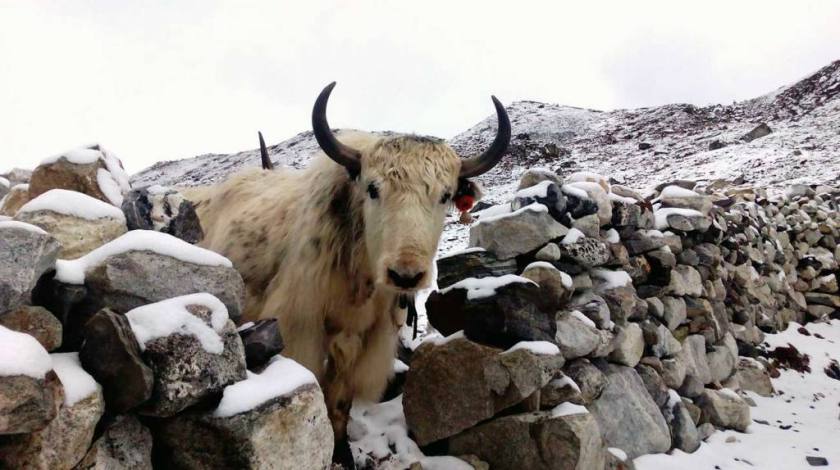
405, 282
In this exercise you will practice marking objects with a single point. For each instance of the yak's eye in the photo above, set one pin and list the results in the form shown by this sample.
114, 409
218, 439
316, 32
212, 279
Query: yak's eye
445, 198
373, 192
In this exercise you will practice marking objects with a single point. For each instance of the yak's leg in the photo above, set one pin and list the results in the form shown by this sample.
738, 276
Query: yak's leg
344, 349
375, 365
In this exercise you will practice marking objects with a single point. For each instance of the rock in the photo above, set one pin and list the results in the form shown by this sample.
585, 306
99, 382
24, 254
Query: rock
5, 186
716, 145
125, 444
545, 193
128, 280
691, 387
494, 311
540, 440
722, 360
473, 262
691, 280
642, 241
452, 386
673, 196
659, 340
289, 430
589, 379
629, 345
654, 385
559, 390
37, 322
163, 210
111, 355
616, 459
754, 377
28, 404
262, 341
724, 408
596, 193
187, 369
758, 131
66, 439
26, 253
532, 176
626, 214
92, 170
518, 232
673, 372
684, 435
627, 416
588, 252
555, 285
575, 336
79, 222
588, 225
18, 196
623, 303
693, 355
593, 307
705, 431
550, 252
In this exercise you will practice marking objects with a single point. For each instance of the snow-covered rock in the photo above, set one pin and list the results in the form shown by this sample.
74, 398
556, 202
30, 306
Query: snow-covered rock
37, 322
91, 170
163, 210
26, 253
518, 232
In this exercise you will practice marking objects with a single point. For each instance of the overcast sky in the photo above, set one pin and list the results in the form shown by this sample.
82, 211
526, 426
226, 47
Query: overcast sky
169, 79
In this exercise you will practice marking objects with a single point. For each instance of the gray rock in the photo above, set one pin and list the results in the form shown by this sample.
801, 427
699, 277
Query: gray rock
673, 372
185, 373
691, 280
588, 252
589, 225
641, 242
77, 235
28, 404
453, 386
654, 384
623, 303
754, 377
128, 280
111, 354
546, 193
659, 340
693, 355
594, 307
758, 131
628, 417
722, 361
559, 390
471, 263
575, 337
705, 431
533, 176
692, 387
724, 408
684, 435
555, 285
519, 232
262, 341
629, 345
163, 210
125, 444
550, 252
60, 445
540, 440
25, 255
589, 379
37, 322
286, 432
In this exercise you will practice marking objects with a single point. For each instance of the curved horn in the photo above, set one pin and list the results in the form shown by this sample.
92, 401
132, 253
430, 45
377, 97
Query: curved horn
349, 157
487, 160
266, 162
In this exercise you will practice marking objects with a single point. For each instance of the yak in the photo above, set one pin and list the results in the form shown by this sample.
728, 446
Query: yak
329, 250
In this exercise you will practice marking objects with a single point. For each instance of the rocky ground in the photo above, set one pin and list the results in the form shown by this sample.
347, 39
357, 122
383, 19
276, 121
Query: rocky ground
644, 320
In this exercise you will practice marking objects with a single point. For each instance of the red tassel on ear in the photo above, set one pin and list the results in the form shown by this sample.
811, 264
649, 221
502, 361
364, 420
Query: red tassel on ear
464, 202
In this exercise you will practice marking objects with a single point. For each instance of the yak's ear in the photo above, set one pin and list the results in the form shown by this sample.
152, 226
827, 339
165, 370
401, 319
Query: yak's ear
469, 188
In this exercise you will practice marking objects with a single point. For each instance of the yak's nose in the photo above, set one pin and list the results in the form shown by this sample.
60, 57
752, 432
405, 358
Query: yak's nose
405, 280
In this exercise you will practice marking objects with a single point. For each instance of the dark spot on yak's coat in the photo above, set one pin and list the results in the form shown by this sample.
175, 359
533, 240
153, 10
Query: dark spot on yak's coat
316, 243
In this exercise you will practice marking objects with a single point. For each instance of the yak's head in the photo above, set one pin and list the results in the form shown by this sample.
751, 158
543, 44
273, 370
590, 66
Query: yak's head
408, 184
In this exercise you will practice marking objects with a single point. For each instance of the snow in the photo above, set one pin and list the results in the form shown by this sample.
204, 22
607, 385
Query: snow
661, 215
622, 199
245, 326
5, 183
72, 203
171, 316
478, 288
618, 453
565, 381
21, 225
565, 279
575, 191
80, 156
586, 320
77, 383
572, 237
73, 271
613, 236
475, 249
538, 190
400, 366
378, 431
109, 187
438, 340
805, 401
540, 348
21, 354
281, 377
677, 192
533, 207
612, 279
566, 409
493, 211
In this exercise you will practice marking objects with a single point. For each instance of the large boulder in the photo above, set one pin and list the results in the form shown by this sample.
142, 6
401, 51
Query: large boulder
30, 392
26, 253
125, 444
684, 433
79, 222
724, 408
566, 437
576, 335
472, 262
192, 348
514, 233
163, 210
627, 416
276, 419
454, 384
66, 439
90, 170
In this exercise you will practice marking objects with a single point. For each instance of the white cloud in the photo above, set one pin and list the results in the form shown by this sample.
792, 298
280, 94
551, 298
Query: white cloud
160, 81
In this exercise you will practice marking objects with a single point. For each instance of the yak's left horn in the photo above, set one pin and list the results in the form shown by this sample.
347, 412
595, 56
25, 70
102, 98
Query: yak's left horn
487, 160
266, 162
349, 157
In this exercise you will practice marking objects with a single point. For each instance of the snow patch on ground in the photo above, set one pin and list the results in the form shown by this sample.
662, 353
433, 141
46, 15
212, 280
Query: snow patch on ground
282, 377
73, 271
73, 203
21, 354
77, 383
